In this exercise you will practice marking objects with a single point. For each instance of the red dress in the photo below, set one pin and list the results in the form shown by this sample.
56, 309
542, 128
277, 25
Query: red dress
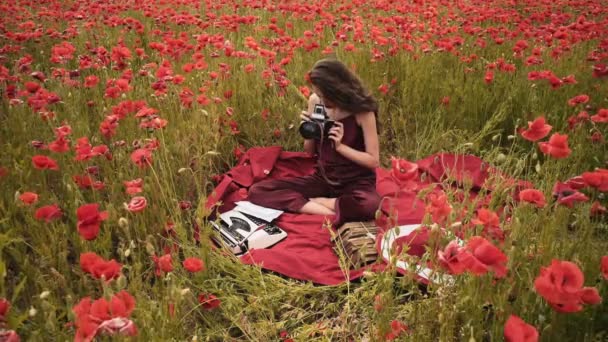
356, 196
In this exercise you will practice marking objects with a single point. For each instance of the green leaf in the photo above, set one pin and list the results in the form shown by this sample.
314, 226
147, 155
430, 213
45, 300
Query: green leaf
18, 289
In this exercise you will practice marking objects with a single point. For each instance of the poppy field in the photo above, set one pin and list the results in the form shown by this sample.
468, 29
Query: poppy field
118, 119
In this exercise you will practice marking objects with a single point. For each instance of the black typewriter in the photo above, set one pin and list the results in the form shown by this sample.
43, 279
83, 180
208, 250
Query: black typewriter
241, 232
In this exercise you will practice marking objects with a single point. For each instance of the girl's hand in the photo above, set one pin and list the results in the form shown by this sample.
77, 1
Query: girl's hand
336, 133
304, 116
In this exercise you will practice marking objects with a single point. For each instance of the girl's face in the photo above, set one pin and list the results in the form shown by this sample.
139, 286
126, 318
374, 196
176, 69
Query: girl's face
324, 101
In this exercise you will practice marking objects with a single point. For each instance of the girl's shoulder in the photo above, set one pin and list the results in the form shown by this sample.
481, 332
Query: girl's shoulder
364, 116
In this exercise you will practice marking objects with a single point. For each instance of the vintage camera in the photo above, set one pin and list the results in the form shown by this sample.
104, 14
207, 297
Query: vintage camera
319, 122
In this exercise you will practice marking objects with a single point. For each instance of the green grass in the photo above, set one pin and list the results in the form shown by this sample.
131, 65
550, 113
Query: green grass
480, 119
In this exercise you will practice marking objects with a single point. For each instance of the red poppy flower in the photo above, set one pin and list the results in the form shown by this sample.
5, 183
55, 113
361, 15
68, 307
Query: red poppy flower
32, 87
570, 79
576, 182
561, 285
209, 301
101, 317
486, 217
533, 196
98, 267
89, 219
566, 195
87, 260
557, 147
44, 162
142, 157
601, 116
59, 145
578, 100
439, 207
91, 81
38, 144
163, 263
604, 266
597, 209
304, 90
249, 68
396, 329
28, 198
597, 137
185, 205
48, 213
134, 186
3, 172
489, 77
193, 265
87, 182
5, 305
537, 129
516, 330
39, 75
454, 258
486, 257
403, 171
600, 70
137, 204
9, 336
597, 179
383, 88
239, 151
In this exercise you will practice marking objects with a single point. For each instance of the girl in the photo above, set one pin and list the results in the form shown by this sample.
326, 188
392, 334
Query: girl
344, 182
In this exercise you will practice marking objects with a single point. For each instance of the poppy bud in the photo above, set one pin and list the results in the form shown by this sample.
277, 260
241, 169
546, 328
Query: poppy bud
121, 282
150, 248
123, 223
501, 158
368, 274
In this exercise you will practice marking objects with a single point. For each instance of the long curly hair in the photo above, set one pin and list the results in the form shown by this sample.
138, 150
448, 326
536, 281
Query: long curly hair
342, 86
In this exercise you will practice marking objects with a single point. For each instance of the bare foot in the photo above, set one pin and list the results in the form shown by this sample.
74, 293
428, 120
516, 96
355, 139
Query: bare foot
326, 202
315, 208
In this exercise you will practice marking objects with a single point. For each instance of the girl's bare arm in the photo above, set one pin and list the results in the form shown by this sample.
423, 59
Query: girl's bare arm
369, 158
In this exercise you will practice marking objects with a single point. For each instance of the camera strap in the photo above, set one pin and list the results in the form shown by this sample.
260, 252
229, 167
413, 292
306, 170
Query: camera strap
319, 163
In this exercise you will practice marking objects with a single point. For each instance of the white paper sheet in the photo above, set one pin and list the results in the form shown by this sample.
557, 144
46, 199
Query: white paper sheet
266, 214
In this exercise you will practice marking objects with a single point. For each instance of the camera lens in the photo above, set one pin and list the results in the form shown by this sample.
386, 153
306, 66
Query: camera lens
310, 130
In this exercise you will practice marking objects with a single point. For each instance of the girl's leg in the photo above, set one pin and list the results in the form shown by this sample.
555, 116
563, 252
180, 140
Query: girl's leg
326, 202
291, 194
357, 202
315, 208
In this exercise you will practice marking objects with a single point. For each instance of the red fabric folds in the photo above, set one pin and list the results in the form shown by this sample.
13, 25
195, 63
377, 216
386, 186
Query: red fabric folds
307, 252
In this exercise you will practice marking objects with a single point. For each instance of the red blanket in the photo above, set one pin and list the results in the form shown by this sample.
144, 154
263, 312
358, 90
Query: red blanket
307, 252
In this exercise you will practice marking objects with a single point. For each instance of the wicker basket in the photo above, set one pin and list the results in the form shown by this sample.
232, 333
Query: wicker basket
356, 240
